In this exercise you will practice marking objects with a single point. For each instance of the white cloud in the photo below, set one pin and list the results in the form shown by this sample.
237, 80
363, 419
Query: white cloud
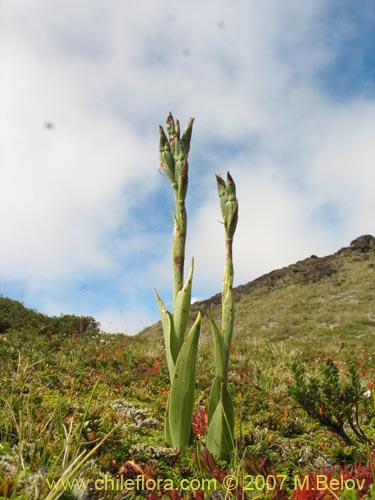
343, 155
62, 187
128, 320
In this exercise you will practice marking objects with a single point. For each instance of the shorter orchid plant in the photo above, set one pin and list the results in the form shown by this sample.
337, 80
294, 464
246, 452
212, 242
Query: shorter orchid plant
220, 407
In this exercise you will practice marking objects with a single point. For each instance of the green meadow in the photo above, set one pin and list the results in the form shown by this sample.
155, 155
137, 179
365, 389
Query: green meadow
82, 412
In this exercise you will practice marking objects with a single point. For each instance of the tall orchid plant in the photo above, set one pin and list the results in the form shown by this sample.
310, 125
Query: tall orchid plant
181, 348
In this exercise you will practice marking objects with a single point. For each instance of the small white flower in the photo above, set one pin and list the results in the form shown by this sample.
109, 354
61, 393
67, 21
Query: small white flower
367, 393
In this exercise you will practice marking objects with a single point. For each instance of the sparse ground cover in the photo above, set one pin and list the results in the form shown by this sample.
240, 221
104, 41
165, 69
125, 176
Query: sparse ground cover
66, 387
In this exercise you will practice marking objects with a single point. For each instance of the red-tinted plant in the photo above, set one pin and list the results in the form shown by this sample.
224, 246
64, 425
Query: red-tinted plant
335, 479
206, 461
200, 422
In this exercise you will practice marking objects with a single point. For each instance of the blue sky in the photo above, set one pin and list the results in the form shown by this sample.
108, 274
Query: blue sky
282, 94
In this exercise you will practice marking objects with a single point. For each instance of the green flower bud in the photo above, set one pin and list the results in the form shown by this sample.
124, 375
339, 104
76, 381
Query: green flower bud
228, 204
167, 161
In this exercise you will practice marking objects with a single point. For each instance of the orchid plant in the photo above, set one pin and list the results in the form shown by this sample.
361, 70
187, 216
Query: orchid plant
181, 347
220, 407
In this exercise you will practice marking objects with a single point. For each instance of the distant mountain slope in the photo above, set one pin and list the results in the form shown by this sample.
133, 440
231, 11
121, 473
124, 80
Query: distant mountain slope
311, 300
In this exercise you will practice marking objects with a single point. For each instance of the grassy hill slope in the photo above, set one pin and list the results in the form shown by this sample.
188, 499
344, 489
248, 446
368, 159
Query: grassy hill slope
15, 316
329, 300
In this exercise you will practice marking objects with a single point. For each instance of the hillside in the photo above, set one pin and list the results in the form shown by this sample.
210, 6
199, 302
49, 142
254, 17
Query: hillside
15, 316
316, 298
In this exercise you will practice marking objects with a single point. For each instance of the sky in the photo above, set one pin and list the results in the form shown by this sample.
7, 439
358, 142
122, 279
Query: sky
283, 96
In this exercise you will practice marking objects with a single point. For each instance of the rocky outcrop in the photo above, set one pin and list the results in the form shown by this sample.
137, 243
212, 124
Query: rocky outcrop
364, 243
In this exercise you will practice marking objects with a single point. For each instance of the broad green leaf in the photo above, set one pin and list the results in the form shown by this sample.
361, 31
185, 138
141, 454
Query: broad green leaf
221, 428
182, 307
171, 348
220, 349
215, 396
181, 398
167, 432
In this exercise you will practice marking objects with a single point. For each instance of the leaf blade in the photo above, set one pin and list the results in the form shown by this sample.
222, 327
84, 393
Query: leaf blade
181, 397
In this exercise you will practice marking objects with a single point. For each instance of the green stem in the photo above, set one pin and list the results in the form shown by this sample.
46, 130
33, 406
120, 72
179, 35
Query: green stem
178, 247
227, 301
